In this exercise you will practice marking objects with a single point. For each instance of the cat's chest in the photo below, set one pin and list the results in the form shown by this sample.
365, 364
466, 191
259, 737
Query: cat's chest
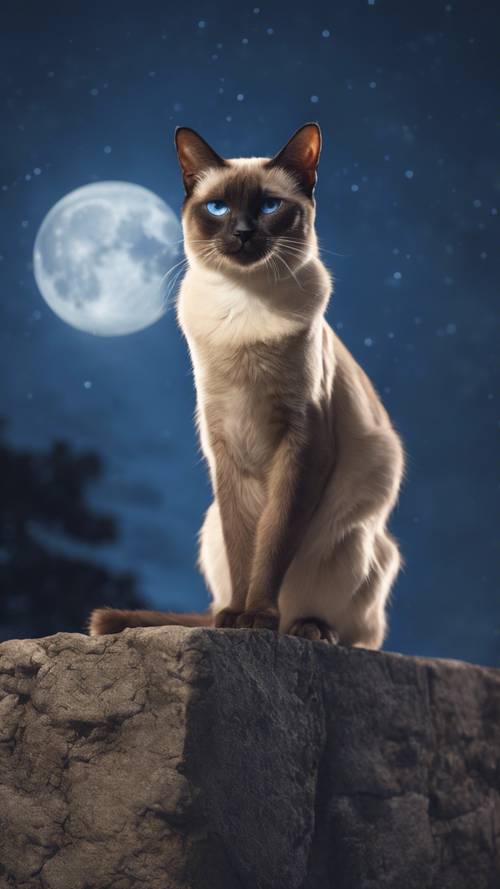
244, 407
248, 427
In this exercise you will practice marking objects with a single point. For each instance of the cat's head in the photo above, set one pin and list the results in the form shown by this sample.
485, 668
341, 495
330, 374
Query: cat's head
240, 214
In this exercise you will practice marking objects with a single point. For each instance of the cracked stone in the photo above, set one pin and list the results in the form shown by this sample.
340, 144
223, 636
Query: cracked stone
173, 758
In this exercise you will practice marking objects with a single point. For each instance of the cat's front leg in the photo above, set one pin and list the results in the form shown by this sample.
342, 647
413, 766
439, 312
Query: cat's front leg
227, 618
296, 482
238, 530
263, 616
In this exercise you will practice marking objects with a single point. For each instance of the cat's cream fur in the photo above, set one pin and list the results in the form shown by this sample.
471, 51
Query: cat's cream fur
304, 462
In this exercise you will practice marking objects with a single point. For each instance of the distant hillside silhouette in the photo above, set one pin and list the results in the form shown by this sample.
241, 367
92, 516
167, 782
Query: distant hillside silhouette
42, 590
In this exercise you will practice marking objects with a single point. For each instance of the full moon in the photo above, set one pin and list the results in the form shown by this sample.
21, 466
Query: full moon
101, 255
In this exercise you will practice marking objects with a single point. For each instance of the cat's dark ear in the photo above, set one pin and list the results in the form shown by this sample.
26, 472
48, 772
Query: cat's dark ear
195, 155
300, 156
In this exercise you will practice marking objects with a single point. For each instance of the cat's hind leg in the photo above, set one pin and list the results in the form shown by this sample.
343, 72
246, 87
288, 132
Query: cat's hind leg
345, 591
212, 559
313, 629
364, 624
318, 587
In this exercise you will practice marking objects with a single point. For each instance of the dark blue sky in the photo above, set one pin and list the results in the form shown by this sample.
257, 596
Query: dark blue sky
408, 201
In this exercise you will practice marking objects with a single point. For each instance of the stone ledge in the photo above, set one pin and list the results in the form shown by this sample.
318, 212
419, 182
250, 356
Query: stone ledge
169, 758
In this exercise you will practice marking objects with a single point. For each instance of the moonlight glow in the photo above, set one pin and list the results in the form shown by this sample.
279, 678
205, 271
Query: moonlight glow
101, 254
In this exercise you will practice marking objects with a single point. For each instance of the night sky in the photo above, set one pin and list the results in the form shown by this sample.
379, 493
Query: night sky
408, 202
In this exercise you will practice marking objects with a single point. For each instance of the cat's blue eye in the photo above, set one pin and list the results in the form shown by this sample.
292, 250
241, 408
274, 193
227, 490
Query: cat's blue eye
217, 208
270, 205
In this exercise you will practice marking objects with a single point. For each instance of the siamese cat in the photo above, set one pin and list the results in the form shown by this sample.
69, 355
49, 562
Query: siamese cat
304, 462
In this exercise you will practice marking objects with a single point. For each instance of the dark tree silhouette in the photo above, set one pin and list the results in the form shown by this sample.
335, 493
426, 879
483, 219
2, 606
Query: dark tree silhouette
44, 590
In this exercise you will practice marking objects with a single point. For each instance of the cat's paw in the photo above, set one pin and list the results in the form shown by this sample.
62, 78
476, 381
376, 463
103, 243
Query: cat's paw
314, 629
226, 619
260, 619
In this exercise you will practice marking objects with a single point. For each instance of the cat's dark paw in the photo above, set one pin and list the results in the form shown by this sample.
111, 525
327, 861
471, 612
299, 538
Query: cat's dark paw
226, 619
314, 629
260, 619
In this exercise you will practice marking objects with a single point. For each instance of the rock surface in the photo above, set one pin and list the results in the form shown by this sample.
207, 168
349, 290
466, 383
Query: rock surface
190, 759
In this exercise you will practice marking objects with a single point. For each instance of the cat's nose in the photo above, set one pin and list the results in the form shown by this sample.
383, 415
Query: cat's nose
244, 234
244, 229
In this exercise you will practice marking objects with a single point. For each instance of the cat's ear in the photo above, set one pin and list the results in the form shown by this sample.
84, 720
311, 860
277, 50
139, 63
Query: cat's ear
195, 155
300, 155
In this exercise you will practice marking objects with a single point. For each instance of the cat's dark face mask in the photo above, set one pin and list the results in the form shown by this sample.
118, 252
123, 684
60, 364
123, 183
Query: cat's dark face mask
248, 212
243, 220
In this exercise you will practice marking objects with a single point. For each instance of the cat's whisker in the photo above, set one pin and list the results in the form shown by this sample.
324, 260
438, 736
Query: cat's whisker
172, 267
267, 264
275, 268
179, 268
219, 258
292, 241
170, 300
303, 250
294, 276
169, 288
175, 270
294, 257
294, 250
321, 249
302, 255
327, 250
288, 243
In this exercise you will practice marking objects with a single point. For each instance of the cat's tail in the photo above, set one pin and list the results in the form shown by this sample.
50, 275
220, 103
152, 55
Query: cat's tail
113, 620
